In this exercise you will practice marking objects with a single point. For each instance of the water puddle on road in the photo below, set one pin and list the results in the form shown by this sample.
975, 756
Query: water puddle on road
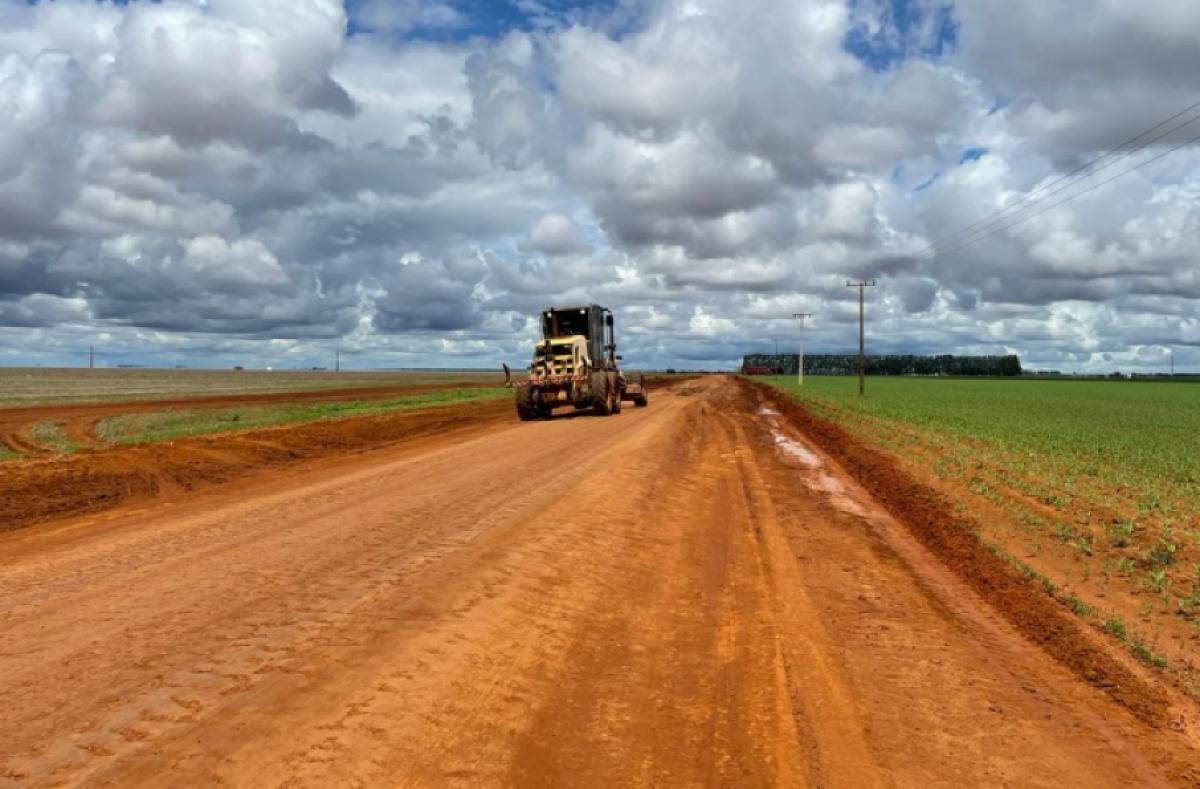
836, 491
795, 449
816, 476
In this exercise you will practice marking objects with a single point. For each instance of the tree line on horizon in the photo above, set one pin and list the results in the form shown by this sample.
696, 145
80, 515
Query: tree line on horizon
885, 364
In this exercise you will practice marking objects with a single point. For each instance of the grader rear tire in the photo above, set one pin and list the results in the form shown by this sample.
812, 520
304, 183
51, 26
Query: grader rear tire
615, 391
601, 394
526, 410
640, 401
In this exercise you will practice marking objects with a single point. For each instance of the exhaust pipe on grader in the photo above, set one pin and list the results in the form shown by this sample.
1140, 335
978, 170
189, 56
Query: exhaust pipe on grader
575, 365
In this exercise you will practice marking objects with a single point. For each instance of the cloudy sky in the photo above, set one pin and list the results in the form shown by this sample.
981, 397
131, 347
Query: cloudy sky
260, 182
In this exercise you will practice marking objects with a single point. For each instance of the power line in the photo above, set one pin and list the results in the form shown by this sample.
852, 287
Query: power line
986, 229
999, 214
1069, 198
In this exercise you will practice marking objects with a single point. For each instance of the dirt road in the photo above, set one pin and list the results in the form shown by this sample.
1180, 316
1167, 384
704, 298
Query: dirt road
682, 595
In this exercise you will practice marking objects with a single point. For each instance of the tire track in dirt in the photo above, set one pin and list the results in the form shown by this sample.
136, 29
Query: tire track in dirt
18, 439
81, 431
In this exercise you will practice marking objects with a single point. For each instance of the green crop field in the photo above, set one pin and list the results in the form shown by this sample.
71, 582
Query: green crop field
33, 386
1092, 486
170, 424
1128, 431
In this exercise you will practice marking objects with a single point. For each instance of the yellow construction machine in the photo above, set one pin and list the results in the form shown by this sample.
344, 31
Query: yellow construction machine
575, 365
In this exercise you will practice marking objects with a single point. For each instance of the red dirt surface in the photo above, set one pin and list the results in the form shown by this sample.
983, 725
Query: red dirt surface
688, 594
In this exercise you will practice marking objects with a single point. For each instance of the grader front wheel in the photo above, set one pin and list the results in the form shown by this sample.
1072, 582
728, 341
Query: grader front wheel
527, 411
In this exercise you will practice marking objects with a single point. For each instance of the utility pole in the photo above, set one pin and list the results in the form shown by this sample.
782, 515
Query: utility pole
862, 285
337, 364
1172, 361
800, 316
91, 357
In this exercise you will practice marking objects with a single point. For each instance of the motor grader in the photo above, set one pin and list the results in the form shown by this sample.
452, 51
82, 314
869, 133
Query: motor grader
575, 366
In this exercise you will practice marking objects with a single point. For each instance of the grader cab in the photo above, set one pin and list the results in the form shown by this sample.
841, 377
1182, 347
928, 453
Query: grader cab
575, 365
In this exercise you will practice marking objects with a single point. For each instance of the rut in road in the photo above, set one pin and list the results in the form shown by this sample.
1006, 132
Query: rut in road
658, 598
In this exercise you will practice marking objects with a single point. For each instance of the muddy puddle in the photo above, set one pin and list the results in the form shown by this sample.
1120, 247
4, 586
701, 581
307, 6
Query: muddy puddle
813, 469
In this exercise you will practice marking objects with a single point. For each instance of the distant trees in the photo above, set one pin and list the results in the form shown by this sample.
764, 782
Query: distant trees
1010, 365
892, 364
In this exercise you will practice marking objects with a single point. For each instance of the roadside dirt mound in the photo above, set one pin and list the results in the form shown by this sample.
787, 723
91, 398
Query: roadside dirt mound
932, 519
39, 490
79, 420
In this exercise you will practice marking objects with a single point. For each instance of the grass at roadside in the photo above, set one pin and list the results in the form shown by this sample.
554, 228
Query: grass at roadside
180, 423
7, 454
50, 435
1094, 485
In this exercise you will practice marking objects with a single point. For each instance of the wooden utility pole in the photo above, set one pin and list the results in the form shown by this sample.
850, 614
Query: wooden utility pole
800, 316
862, 285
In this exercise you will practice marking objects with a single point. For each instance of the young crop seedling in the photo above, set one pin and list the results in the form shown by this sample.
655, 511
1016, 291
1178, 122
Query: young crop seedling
1157, 581
1163, 552
1190, 604
1120, 533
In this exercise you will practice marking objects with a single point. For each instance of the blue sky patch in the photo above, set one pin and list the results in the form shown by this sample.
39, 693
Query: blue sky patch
901, 30
928, 182
971, 154
460, 20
